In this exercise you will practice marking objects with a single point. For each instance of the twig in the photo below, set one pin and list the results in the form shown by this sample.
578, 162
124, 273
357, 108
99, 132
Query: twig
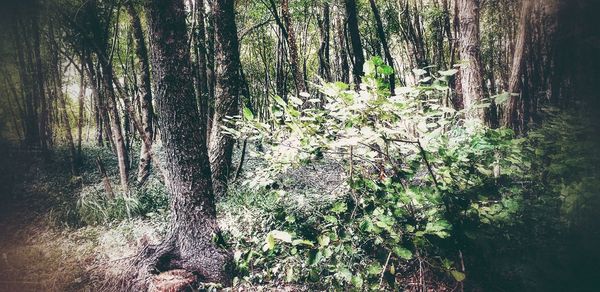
384, 268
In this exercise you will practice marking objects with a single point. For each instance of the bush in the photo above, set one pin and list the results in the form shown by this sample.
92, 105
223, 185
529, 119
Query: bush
423, 181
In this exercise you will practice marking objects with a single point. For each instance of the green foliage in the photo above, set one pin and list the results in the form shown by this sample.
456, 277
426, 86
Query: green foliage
422, 178
94, 207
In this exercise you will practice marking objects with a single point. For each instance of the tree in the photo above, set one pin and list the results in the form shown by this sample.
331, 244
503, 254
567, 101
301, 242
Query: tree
357, 49
227, 92
190, 244
324, 60
384, 44
514, 82
145, 91
293, 47
469, 47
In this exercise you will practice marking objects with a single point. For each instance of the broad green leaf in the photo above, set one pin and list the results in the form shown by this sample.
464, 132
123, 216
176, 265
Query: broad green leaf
279, 100
248, 115
403, 253
458, 276
339, 207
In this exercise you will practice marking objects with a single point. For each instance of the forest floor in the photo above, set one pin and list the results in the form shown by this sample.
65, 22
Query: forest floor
39, 249
45, 247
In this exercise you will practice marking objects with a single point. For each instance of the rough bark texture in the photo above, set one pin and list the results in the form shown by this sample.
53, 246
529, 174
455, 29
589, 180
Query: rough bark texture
514, 82
357, 49
293, 47
201, 74
189, 244
469, 45
227, 92
145, 90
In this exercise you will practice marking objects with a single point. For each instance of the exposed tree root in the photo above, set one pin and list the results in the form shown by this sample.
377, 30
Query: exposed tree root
177, 264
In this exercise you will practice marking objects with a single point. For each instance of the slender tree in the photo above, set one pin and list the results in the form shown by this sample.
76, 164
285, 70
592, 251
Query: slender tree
324, 55
293, 47
357, 49
469, 46
145, 90
384, 43
511, 118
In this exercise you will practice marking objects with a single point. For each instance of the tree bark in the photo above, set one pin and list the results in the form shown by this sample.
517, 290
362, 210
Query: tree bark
324, 59
293, 47
227, 92
469, 45
357, 49
189, 244
145, 89
511, 118
200, 66
344, 67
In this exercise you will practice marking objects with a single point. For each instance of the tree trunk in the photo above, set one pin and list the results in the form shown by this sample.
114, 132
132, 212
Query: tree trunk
293, 47
81, 117
469, 45
189, 245
44, 128
511, 118
324, 27
344, 67
357, 49
200, 66
227, 92
145, 93
384, 44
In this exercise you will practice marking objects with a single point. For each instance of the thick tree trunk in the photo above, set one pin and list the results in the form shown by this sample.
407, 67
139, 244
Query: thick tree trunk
227, 92
189, 244
469, 45
357, 49
145, 89
511, 118
384, 44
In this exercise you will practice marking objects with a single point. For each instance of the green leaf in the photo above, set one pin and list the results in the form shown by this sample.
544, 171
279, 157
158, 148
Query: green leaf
458, 276
281, 235
324, 240
501, 98
357, 281
269, 242
339, 207
248, 115
330, 219
344, 274
403, 253
450, 72
303, 242
279, 100
374, 269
